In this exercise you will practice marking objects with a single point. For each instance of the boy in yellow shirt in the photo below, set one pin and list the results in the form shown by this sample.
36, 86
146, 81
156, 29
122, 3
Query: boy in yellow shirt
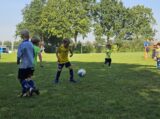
62, 57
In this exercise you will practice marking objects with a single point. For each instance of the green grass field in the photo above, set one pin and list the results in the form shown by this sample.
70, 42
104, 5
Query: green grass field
128, 90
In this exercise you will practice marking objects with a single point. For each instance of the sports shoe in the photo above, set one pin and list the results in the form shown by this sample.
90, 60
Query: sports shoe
31, 91
36, 91
23, 95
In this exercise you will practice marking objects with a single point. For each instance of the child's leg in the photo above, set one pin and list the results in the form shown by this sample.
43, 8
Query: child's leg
109, 62
68, 65
30, 72
158, 63
105, 62
23, 81
71, 73
60, 66
25, 86
31, 83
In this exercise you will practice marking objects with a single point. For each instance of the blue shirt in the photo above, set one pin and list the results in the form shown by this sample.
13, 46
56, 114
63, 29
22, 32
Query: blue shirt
26, 54
146, 43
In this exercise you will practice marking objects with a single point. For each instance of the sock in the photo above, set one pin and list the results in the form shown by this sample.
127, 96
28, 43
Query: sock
110, 62
31, 84
58, 75
71, 74
25, 86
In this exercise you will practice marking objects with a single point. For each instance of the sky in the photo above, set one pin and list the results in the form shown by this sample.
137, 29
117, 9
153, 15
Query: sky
11, 15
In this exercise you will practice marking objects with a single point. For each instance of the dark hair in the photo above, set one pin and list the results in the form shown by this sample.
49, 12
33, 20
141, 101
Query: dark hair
158, 44
35, 40
66, 40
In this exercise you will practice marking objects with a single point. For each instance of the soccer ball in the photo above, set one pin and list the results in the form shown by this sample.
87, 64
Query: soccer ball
81, 72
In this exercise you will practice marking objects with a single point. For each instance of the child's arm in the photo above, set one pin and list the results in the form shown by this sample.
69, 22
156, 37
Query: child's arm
40, 59
57, 51
19, 54
71, 52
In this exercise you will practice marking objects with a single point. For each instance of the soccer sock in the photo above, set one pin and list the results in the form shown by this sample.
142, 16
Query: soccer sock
105, 62
58, 75
71, 74
25, 86
109, 62
31, 84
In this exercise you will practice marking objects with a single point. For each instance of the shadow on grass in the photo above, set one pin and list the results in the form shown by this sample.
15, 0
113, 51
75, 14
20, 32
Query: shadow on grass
124, 91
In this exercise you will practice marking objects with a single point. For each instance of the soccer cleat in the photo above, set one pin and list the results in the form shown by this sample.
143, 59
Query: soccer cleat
36, 91
31, 92
23, 95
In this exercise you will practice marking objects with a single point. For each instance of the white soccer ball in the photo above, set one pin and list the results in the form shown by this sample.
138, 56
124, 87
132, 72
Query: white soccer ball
81, 72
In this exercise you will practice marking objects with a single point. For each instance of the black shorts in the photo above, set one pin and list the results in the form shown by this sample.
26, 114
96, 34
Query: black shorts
108, 59
25, 73
147, 49
67, 64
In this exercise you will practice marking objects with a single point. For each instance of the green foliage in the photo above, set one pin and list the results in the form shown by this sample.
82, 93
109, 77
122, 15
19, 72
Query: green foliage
139, 21
130, 46
108, 16
72, 18
51, 44
86, 47
115, 47
31, 18
66, 18
7, 43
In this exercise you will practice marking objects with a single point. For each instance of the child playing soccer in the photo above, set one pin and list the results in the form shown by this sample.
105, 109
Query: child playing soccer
25, 57
37, 50
62, 57
108, 59
157, 55
37, 53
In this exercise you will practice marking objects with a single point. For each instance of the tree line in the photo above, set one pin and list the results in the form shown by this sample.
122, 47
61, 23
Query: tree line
53, 20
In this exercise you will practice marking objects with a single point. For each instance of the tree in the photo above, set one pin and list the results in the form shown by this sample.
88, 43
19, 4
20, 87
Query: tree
66, 18
140, 22
32, 17
108, 17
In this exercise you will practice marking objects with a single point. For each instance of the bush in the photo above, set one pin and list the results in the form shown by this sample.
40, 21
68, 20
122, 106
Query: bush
130, 46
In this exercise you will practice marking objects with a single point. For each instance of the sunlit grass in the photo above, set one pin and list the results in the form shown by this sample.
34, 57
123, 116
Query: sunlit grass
130, 89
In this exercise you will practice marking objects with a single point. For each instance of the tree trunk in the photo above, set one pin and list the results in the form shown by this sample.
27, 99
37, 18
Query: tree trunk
75, 38
108, 39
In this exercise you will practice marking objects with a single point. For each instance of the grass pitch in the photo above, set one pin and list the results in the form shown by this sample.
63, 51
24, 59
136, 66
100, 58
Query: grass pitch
130, 89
